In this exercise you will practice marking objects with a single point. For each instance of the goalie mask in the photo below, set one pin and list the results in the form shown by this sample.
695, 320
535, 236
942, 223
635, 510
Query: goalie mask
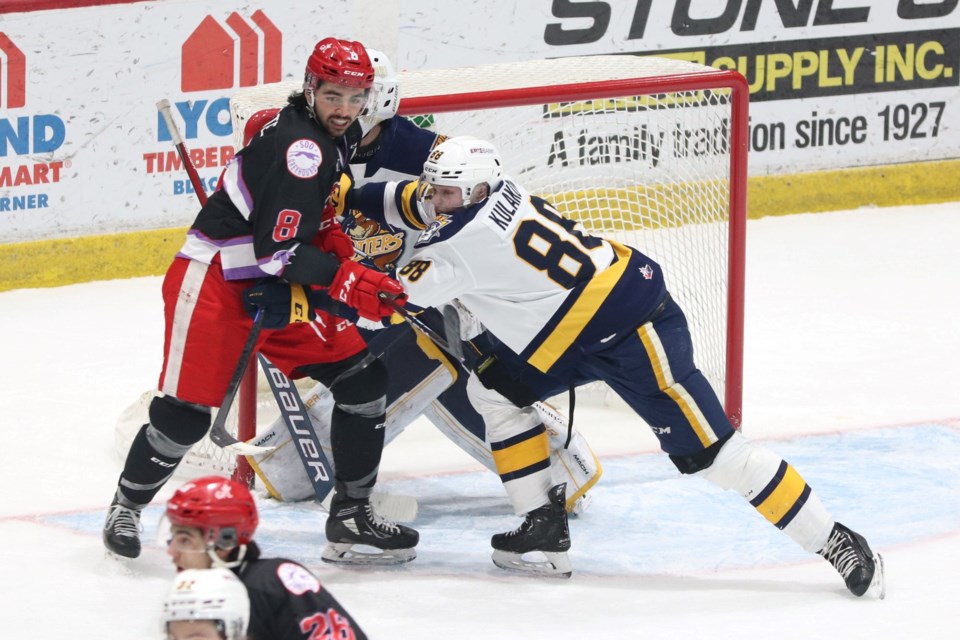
386, 96
214, 595
465, 163
222, 509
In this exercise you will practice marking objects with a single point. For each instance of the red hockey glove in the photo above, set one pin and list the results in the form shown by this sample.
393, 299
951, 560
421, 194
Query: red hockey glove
331, 238
366, 290
335, 241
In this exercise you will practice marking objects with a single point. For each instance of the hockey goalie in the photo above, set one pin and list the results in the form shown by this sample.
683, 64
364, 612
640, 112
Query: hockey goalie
423, 381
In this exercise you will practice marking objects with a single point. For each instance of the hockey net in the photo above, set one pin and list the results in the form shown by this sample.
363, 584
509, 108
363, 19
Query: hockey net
649, 151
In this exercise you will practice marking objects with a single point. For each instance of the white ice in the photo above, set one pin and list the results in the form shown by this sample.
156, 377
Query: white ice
851, 373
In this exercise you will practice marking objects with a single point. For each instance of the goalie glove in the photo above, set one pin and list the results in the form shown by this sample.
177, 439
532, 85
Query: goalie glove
282, 302
366, 290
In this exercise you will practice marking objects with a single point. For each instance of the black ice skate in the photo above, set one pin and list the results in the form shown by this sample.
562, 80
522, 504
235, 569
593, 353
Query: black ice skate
544, 532
121, 532
357, 535
861, 568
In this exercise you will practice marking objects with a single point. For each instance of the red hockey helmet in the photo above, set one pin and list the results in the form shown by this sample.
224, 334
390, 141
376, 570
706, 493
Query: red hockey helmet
340, 61
223, 509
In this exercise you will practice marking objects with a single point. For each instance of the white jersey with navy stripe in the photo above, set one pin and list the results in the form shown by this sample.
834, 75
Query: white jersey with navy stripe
532, 277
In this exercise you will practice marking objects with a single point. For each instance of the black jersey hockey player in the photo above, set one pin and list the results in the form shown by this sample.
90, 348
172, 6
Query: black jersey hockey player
270, 219
212, 524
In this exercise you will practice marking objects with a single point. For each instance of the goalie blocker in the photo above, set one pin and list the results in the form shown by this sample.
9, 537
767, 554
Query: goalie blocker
422, 381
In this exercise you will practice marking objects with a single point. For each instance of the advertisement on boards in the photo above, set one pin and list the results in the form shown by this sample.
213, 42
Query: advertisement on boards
83, 148
834, 84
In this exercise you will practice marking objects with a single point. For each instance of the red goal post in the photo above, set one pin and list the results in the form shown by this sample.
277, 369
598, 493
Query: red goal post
651, 151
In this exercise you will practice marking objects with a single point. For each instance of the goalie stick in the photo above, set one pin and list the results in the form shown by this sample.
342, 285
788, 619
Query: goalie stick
399, 508
295, 416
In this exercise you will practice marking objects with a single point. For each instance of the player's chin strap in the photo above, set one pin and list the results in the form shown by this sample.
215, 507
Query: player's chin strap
226, 564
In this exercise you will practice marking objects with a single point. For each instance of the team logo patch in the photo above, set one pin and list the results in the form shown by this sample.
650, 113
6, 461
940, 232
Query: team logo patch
304, 158
296, 579
647, 272
433, 229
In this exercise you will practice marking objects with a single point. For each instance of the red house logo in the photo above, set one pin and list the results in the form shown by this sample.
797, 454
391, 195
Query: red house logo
218, 57
13, 74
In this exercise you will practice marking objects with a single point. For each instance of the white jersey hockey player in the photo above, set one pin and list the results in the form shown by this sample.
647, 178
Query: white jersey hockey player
573, 308
206, 604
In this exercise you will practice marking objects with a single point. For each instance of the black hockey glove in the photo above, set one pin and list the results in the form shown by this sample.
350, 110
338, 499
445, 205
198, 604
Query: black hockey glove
282, 302
494, 374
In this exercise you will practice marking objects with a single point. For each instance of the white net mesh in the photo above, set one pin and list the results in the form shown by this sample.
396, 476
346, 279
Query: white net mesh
636, 149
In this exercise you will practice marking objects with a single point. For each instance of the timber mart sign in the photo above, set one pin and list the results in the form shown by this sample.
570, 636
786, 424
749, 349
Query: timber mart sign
13, 74
217, 56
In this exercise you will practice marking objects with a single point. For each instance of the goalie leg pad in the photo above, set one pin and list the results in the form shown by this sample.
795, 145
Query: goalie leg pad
577, 465
280, 470
774, 488
451, 424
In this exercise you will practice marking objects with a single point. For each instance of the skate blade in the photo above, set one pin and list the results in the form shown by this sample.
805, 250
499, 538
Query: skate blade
348, 553
878, 586
554, 564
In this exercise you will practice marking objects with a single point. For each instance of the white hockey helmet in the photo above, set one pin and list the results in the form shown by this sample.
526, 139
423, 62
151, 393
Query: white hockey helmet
386, 92
216, 595
465, 162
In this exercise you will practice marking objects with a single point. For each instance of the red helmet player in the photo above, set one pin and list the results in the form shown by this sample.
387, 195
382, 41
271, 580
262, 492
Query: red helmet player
222, 509
339, 61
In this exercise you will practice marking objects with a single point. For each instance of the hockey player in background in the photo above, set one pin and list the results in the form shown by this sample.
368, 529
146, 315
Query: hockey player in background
269, 218
569, 308
207, 604
212, 522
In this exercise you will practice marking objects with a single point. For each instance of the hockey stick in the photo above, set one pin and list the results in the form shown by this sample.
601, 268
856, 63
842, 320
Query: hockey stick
399, 508
414, 321
451, 326
164, 107
218, 431
295, 416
